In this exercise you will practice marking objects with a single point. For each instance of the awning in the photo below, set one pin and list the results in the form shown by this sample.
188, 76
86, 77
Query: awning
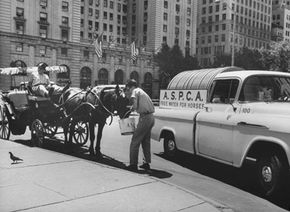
20, 70
197, 79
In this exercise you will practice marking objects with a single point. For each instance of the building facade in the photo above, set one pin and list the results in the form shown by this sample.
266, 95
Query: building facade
217, 35
152, 23
61, 33
281, 20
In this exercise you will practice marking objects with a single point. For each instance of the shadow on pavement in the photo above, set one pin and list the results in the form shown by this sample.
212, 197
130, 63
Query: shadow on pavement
242, 178
58, 145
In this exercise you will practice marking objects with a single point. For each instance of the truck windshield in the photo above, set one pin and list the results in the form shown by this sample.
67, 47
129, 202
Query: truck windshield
266, 88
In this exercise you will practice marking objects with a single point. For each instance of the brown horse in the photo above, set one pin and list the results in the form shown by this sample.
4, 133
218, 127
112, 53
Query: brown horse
91, 106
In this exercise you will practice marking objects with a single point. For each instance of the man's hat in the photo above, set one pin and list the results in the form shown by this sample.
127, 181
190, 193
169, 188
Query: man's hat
131, 83
42, 65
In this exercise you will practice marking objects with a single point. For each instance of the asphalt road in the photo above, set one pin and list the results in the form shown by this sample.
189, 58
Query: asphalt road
227, 185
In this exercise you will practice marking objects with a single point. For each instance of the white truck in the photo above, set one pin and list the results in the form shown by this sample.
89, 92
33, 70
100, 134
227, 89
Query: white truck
230, 115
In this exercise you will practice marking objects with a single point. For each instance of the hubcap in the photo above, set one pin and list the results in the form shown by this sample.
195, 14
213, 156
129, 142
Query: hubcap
267, 174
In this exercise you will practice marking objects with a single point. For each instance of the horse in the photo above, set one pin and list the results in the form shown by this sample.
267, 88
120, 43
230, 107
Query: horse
91, 106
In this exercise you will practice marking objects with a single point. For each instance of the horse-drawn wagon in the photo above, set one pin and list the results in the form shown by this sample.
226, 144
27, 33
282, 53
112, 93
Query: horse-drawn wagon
76, 111
20, 108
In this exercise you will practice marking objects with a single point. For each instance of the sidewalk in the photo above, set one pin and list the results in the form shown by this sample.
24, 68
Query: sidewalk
51, 181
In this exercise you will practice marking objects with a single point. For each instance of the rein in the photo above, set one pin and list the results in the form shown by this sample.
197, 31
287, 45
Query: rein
102, 105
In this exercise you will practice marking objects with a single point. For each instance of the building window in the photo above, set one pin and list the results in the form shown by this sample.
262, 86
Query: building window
177, 8
188, 22
165, 4
105, 3
42, 50
90, 11
105, 27
188, 11
103, 77
19, 47
43, 3
105, 15
85, 77
90, 25
165, 16
43, 31
119, 7
64, 6
19, 12
90, 2
164, 28
97, 26
64, 34
111, 4
97, 13
20, 27
145, 17
97, 3
111, 16
63, 51
86, 54
43, 17
177, 20
64, 21
164, 39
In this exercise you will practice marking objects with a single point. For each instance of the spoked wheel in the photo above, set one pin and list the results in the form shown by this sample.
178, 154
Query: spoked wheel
4, 125
80, 133
37, 133
50, 130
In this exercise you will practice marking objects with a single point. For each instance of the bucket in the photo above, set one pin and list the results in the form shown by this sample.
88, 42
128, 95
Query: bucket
127, 126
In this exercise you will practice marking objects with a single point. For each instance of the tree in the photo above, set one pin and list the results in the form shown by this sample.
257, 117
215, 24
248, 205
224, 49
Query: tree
222, 60
190, 63
249, 59
277, 56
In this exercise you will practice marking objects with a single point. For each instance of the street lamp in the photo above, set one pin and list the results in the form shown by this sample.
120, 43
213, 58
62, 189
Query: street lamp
234, 28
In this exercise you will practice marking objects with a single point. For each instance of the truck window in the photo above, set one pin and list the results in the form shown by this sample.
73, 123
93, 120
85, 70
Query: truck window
264, 88
224, 91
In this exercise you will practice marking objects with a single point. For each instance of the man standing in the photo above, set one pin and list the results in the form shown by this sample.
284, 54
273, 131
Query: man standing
142, 134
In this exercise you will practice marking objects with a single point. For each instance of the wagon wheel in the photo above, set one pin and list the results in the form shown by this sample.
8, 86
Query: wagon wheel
50, 130
80, 133
4, 125
37, 133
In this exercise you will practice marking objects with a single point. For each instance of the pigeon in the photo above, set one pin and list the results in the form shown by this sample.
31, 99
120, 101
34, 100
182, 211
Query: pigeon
14, 158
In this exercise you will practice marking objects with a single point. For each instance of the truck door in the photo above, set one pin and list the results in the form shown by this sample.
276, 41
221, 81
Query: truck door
214, 125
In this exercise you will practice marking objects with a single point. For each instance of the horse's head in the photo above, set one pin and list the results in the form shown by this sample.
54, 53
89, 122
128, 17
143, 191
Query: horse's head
115, 100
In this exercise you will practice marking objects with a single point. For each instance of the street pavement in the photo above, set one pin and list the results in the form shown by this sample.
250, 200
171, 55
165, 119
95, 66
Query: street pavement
51, 181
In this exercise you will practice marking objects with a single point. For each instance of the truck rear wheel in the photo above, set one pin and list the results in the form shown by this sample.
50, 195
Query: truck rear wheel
169, 146
271, 174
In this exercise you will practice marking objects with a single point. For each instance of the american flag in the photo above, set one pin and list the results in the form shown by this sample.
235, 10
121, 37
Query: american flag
134, 51
98, 45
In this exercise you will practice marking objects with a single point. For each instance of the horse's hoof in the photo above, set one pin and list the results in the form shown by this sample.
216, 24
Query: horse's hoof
99, 156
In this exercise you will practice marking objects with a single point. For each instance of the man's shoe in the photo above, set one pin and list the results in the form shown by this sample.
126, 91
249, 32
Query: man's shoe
145, 166
132, 168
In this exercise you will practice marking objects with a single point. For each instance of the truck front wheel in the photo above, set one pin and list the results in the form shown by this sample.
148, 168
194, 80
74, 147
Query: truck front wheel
169, 146
271, 174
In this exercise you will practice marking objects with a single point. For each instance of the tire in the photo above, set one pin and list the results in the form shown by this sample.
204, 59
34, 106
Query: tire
4, 124
80, 133
37, 133
270, 175
169, 146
